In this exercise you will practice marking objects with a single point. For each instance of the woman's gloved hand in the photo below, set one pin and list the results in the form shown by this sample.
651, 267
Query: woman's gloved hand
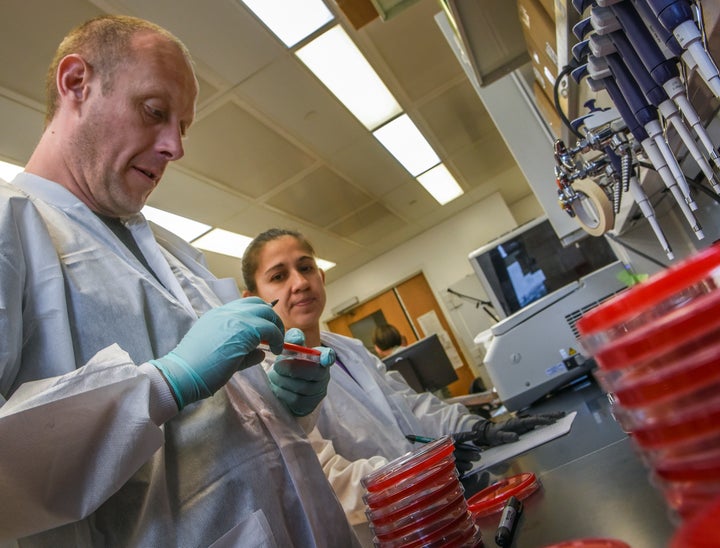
299, 385
488, 433
223, 340
465, 456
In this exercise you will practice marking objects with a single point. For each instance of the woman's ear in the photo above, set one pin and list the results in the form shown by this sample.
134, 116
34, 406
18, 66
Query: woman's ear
72, 78
246, 293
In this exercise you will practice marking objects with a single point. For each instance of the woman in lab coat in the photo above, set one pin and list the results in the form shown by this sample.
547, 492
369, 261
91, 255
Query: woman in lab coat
95, 451
363, 420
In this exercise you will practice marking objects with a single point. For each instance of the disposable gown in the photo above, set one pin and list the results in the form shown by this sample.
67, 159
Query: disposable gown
94, 452
365, 416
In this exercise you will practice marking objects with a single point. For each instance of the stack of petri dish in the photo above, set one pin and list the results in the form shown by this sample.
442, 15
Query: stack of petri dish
417, 500
657, 346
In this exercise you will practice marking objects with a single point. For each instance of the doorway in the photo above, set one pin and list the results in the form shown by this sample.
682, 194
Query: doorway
412, 308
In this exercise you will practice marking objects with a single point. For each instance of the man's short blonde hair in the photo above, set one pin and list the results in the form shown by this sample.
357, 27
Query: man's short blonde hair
105, 43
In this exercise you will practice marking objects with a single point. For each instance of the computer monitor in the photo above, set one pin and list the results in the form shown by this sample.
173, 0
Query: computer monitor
424, 365
530, 262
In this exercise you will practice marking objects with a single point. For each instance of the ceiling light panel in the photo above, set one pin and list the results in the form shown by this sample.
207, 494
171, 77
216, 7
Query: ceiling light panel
8, 170
324, 265
186, 228
405, 142
440, 184
224, 242
291, 20
339, 64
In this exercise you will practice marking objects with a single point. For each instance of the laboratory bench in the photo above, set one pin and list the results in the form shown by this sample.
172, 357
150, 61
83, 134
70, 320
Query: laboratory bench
592, 482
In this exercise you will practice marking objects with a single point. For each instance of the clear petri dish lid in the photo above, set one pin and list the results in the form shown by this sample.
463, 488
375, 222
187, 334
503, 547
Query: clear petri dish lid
654, 385
442, 513
651, 341
438, 476
408, 465
296, 352
459, 521
492, 499
591, 543
700, 420
301, 352
662, 292
414, 504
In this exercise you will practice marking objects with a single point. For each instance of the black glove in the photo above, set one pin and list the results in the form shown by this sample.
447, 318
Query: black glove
488, 433
465, 455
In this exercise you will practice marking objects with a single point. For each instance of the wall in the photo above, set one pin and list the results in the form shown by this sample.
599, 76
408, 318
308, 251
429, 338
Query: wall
440, 253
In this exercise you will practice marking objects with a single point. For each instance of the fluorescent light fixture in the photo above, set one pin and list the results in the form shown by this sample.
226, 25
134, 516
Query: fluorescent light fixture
224, 242
291, 20
403, 140
338, 63
8, 170
440, 184
186, 228
325, 265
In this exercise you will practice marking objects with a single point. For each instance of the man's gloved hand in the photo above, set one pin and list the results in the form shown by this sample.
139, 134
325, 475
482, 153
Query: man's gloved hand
488, 433
222, 341
299, 385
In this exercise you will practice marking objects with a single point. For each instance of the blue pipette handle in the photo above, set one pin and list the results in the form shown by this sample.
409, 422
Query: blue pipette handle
671, 13
658, 29
628, 55
647, 50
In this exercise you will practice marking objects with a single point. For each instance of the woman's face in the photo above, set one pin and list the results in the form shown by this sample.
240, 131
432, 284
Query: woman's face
288, 272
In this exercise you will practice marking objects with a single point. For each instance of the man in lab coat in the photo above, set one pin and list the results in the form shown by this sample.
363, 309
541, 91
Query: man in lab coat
123, 421
368, 411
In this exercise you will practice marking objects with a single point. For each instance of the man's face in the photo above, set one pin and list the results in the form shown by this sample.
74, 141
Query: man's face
286, 271
125, 139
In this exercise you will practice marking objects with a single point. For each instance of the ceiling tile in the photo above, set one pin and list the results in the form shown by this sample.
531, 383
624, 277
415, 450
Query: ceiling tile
39, 37
237, 149
207, 90
183, 194
370, 164
289, 95
224, 34
321, 197
422, 60
411, 201
483, 160
26, 124
369, 224
458, 118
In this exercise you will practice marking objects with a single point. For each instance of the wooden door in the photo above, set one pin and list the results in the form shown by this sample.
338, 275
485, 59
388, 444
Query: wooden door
403, 306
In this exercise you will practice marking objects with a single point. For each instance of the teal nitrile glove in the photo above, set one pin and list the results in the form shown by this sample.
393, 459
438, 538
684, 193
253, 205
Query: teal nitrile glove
222, 341
299, 385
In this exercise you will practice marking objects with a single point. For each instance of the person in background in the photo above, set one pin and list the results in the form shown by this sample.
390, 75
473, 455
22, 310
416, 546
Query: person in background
123, 418
387, 340
367, 412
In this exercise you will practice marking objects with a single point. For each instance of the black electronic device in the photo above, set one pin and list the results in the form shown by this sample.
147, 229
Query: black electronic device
424, 365
530, 262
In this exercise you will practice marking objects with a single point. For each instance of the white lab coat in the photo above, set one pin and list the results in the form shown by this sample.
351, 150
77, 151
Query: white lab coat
364, 418
93, 450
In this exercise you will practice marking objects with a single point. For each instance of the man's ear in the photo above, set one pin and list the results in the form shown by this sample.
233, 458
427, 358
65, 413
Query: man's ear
72, 78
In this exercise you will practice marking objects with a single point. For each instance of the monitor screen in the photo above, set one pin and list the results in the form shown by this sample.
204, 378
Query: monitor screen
424, 365
531, 262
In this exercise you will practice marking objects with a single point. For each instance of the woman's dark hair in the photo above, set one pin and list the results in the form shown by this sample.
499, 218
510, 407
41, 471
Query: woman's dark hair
251, 256
386, 337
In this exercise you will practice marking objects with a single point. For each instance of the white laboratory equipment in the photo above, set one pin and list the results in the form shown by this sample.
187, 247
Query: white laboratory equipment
536, 350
